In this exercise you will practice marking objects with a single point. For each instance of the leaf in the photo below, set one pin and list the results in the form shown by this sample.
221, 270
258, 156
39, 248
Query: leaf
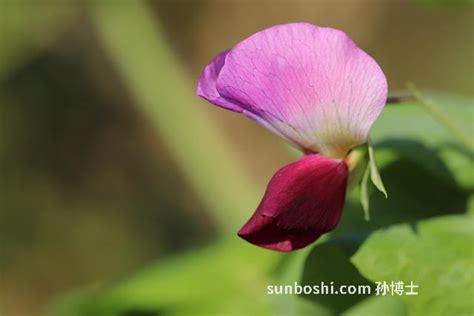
227, 278
410, 122
374, 171
288, 271
358, 159
443, 117
436, 257
378, 305
364, 193
329, 263
426, 157
416, 193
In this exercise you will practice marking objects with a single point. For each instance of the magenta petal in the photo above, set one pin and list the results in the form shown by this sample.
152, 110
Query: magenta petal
207, 84
311, 84
303, 200
207, 90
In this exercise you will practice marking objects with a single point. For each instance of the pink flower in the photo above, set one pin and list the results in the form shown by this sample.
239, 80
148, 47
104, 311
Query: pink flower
316, 89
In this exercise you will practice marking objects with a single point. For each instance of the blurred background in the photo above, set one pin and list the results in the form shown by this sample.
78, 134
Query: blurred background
109, 162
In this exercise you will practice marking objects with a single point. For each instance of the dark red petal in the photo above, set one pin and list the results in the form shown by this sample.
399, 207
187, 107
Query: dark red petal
303, 200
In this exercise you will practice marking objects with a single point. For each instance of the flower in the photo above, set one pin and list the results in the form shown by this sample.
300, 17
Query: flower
316, 89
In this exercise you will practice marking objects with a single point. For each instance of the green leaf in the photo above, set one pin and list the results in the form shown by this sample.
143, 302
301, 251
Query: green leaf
371, 171
411, 122
416, 193
364, 193
437, 256
358, 158
288, 271
329, 263
443, 117
230, 277
378, 305
374, 171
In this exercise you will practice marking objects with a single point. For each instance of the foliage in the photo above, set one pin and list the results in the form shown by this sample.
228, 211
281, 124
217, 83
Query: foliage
422, 233
425, 169
437, 256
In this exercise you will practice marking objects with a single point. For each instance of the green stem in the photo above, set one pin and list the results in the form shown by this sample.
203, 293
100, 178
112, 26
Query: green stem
160, 87
400, 99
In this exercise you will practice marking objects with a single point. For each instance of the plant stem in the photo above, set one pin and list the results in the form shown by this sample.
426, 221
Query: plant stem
400, 99
159, 86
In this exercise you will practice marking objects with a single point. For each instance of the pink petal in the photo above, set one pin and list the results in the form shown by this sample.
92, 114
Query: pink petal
207, 84
303, 200
309, 84
207, 90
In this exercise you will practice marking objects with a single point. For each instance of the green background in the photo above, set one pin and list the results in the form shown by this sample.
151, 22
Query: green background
121, 191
